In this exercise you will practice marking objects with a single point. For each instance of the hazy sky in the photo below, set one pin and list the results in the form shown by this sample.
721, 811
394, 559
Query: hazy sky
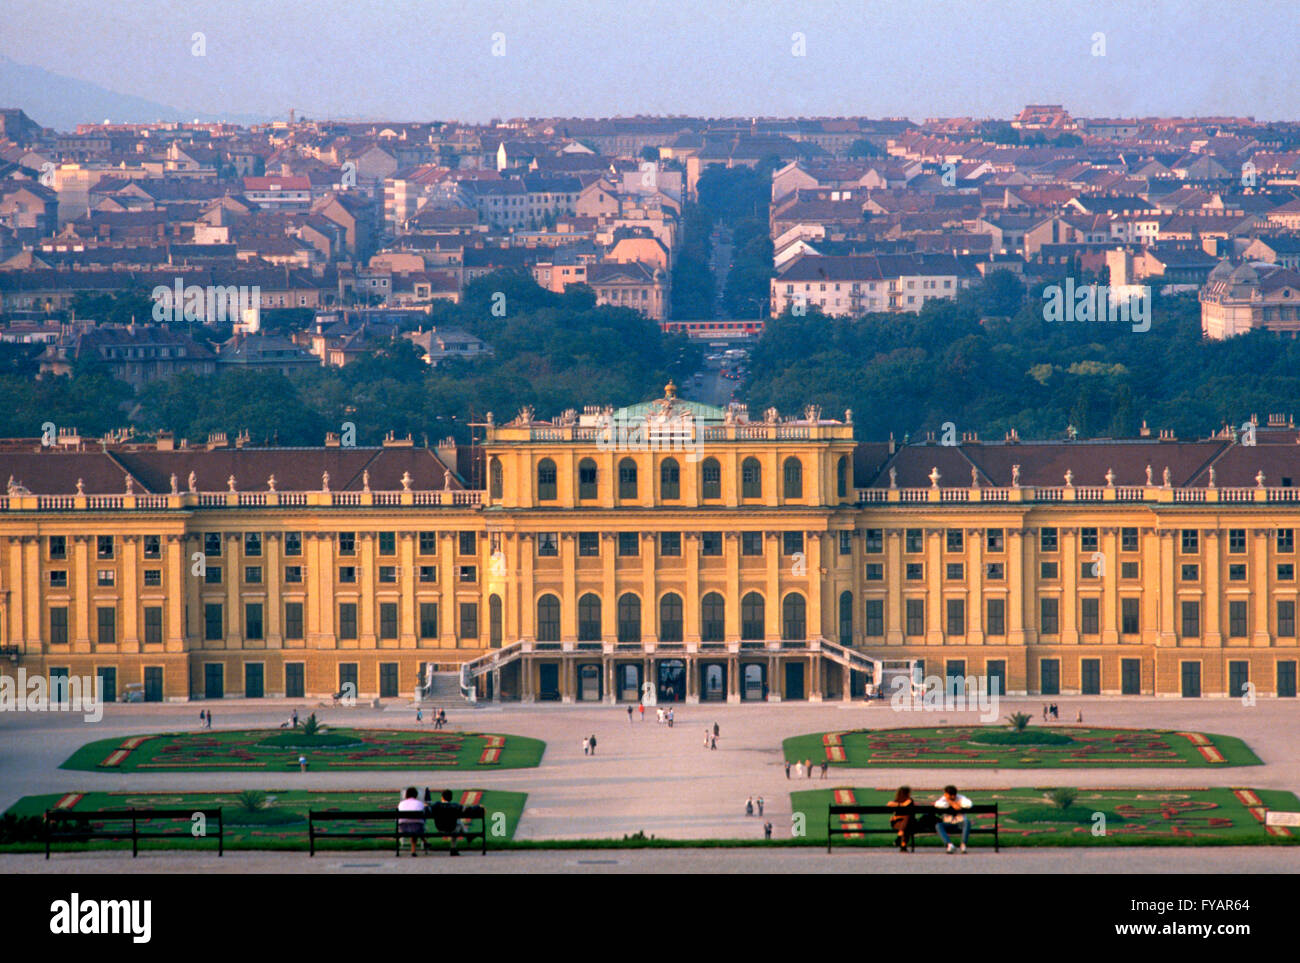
430, 59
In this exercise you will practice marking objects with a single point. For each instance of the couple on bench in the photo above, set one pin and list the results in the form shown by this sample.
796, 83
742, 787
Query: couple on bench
446, 816
906, 821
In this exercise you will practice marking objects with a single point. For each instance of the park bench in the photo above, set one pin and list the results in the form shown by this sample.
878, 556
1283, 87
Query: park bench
924, 819
68, 825
315, 816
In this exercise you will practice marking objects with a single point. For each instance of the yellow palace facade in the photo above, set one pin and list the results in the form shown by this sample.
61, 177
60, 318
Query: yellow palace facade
665, 551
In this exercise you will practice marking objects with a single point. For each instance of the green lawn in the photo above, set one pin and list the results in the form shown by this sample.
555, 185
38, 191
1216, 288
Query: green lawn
282, 825
959, 746
355, 749
1133, 817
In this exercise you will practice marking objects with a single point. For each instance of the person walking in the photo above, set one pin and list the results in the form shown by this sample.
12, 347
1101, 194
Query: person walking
749, 806
759, 803
670, 717
825, 766
302, 763
641, 708
593, 744
209, 722
1078, 715
629, 715
1044, 712
808, 766
706, 738
716, 732
713, 743
586, 745
767, 830
419, 716
295, 718
798, 769
787, 769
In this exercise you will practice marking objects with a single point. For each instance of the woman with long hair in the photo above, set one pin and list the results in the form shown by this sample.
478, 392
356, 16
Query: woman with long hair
902, 822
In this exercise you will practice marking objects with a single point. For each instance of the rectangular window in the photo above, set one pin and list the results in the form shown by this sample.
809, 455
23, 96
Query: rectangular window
995, 571
1191, 612
1190, 573
59, 625
548, 544
954, 540
347, 574
1236, 541
875, 572
293, 543
586, 480
1237, 620
915, 615
105, 577
710, 543
1091, 568
875, 618
387, 574
670, 543
428, 543
293, 620
1237, 572
347, 620
428, 573
1286, 540
791, 543
428, 620
59, 578
1048, 570
874, 541
1190, 541
993, 540
347, 543
1087, 539
751, 543
1286, 618
467, 543
107, 618
956, 616
1047, 540
387, 543
104, 546
153, 625
1130, 620
152, 546
388, 620
1130, 676
914, 541
253, 620
914, 571
213, 623
1128, 570
212, 544
152, 577
1128, 539
468, 573
212, 575
1286, 572
1049, 616
629, 544
58, 547
469, 620
956, 571
996, 617
1089, 621
293, 574
253, 544
846, 543
253, 574
589, 544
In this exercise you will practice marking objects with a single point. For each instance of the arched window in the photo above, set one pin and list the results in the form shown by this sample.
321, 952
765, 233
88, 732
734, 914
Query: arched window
846, 618
751, 479
710, 478
629, 618
627, 478
587, 478
713, 622
842, 477
546, 480
496, 484
753, 624
794, 625
589, 618
494, 621
670, 479
670, 618
793, 478
548, 619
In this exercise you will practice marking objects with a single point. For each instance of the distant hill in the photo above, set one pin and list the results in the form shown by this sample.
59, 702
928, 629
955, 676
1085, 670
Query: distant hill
53, 100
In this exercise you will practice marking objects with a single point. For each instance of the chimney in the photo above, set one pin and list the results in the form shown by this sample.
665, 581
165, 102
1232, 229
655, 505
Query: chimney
447, 454
166, 441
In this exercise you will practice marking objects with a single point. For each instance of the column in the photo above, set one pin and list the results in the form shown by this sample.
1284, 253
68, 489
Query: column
934, 625
177, 575
1069, 611
1261, 576
1110, 588
234, 623
272, 608
893, 562
1212, 632
975, 586
129, 593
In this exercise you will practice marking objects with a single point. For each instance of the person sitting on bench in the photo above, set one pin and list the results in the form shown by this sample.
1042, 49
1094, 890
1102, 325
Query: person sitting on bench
902, 822
446, 817
954, 817
414, 828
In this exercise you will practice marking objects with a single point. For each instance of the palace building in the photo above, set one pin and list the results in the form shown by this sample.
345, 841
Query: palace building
669, 549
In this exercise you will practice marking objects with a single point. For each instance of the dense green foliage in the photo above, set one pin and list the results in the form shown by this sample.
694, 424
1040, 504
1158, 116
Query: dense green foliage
989, 363
692, 281
551, 351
